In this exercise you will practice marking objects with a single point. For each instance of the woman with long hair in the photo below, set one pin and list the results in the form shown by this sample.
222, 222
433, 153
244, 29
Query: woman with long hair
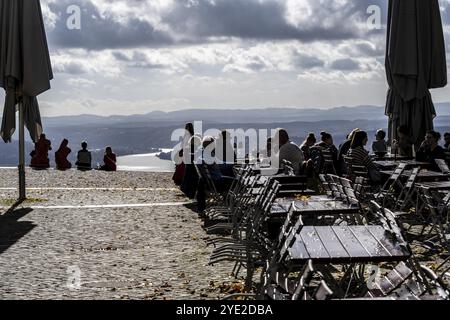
309, 142
61, 156
360, 156
110, 160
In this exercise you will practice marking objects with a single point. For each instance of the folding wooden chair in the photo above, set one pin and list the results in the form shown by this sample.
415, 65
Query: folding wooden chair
393, 186
438, 216
406, 198
328, 162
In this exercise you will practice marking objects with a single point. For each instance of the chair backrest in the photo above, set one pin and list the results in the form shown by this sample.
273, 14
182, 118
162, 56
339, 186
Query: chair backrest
406, 196
442, 289
323, 292
337, 187
305, 278
287, 225
391, 281
205, 174
354, 170
289, 241
395, 177
328, 161
412, 178
389, 222
326, 184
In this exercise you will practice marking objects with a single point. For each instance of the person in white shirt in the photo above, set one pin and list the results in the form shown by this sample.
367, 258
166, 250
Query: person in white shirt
287, 150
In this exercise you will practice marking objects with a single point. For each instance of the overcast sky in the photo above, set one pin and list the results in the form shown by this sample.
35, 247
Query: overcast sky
137, 56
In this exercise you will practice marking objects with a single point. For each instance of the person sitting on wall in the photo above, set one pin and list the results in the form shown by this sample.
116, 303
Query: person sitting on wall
84, 158
61, 156
110, 160
39, 158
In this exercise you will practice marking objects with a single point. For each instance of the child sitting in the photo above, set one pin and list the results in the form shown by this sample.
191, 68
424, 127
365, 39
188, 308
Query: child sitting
380, 144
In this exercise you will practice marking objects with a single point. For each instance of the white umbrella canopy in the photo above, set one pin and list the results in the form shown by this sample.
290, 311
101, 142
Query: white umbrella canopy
25, 71
415, 63
25, 68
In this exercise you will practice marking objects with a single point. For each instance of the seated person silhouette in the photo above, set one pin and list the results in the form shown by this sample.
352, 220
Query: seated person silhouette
61, 156
84, 158
39, 156
110, 160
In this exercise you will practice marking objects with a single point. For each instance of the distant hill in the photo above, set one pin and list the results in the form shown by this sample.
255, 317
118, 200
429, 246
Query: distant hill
144, 133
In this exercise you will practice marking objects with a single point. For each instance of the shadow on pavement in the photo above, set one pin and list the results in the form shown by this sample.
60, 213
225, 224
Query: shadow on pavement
11, 229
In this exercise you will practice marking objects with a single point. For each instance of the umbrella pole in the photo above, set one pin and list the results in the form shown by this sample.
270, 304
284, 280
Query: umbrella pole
22, 194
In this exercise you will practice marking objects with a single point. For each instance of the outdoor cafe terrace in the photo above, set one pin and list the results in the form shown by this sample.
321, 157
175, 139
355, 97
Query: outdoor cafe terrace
135, 236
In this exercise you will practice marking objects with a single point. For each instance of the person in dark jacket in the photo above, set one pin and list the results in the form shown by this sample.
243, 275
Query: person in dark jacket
430, 150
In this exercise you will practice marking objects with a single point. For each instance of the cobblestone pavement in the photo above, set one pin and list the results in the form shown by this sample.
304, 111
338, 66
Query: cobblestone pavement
112, 253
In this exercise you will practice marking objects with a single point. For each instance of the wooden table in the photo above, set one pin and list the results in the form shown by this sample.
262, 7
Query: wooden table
391, 157
350, 244
436, 186
424, 175
315, 206
389, 164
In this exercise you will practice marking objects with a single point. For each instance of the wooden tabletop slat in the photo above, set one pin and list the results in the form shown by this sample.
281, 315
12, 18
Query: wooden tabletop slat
350, 242
395, 249
313, 243
298, 251
347, 245
332, 243
368, 241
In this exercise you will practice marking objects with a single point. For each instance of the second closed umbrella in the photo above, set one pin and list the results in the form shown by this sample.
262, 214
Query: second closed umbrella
415, 63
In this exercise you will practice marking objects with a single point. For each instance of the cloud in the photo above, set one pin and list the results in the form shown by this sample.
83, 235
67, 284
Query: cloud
347, 64
101, 30
305, 61
160, 23
81, 82
81, 62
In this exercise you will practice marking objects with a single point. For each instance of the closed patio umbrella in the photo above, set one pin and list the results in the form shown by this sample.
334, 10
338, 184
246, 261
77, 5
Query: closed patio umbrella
415, 63
25, 71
